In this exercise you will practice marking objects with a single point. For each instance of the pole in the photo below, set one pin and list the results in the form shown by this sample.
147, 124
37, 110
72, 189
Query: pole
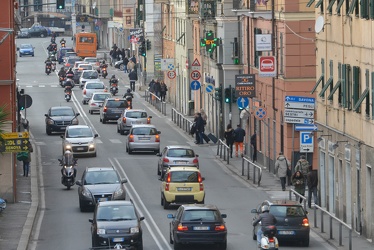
145, 42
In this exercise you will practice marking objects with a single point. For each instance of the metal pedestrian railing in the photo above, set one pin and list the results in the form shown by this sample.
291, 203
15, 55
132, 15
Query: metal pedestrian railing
181, 121
252, 168
155, 101
223, 150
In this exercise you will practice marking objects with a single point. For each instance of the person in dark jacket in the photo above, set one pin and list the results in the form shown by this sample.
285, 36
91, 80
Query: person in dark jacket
163, 90
229, 136
26, 162
267, 219
157, 88
133, 77
254, 146
312, 186
298, 181
125, 62
239, 135
200, 128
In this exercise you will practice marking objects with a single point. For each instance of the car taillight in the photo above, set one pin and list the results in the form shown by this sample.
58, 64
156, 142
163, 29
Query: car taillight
124, 119
220, 228
167, 187
148, 120
195, 160
305, 222
168, 178
105, 109
181, 227
131, 138
93, 104
157, 138
84, 92
199, 179
271, 239
201, 186
165, 159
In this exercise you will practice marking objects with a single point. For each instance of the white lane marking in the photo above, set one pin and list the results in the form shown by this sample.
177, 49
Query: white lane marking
115, 140
41, 86
149, 216
98, 141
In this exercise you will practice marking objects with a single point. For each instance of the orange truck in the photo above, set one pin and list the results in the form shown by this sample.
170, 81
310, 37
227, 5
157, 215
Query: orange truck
85, 44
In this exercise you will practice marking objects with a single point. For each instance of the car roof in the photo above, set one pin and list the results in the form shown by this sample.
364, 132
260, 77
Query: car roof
84, 64
284, 203
78, 126
115, 99
91, 58
115, 203
199, 207
23, 44
61, 107
174, 165
135, 110
89, 70
184, 168
94, 81
179, 146
143, 126
93, 169
100, 93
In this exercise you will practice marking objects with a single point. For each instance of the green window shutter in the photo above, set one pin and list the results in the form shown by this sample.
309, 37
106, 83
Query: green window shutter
339, 5
371, 11
329, 7
356, 84
363, 96
319, 3
337, 85
322, 77
329, 81
372, 95
352, 6
344, 85
364, 12
310, 3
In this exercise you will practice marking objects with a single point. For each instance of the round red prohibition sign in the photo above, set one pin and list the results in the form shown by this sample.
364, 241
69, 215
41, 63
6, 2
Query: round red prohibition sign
195, 75
172, 74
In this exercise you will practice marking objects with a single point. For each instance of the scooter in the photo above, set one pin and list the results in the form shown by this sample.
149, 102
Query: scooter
268, 240
68, 94
62, 81
114, 89
104, 72
48, 69
68, 172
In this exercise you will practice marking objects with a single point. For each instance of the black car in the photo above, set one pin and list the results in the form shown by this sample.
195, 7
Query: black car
292, 220
38, 31
112, 109
58, 118
198, 224
116, 224
23, 34
100, 184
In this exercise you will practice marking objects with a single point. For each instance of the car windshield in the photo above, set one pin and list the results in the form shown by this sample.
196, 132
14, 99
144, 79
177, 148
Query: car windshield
72, 60
115, 213
91, 60
184, 176
95, 85
144, 131
62, 112
101, 177
200, 215
64, 51
78, 132
90, 75
116, 104
100, 97
26, 46
136, 114
289, 211
181, 152
85, 67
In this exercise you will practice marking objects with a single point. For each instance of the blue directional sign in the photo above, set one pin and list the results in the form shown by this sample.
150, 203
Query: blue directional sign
242, 102
195, 85
299, 102
306, 142
306, 127
209, 88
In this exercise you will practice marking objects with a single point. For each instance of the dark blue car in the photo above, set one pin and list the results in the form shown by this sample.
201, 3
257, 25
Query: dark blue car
62, 52
26, 50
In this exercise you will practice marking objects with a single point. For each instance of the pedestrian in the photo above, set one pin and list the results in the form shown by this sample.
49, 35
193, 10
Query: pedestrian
133, 59
118, 54
113, 56
281, 166
125, 62
254, 146
302, 165
197, 138
312, 186
229, 136
130, 66
205, 119
298, 181
157, 88
133, 77
200, 128
151, 89
239, 135
163, 91
123, 54
26, 162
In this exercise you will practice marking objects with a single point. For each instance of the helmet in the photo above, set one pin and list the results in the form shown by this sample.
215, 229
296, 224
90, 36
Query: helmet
128, 90
103, 61
62, 69
265, 208
113, 76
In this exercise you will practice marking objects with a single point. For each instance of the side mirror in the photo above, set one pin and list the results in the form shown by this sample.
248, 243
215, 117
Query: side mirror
17, 49
158, 132
203, 178
170, 216
96, 135
90, 220
224, 216
158, 154
79, 183
124, 181
62, 136
141, 218
77, 114
254, 211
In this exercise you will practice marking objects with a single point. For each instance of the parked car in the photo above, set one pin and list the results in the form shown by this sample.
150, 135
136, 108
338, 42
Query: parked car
112, 109
176, 154
91, 87
143, 137
292, 220
97, 101
80, 140
100, 184
38, 31
182, 185
119, 65
116, 223
86, 76
23, 33
198, 224
130, 117
58, 118
61, 53
26, 50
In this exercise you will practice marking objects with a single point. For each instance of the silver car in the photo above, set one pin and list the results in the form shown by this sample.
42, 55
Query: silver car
130, 117
79, 139
87, 75
97, 101
143, 137
91, 87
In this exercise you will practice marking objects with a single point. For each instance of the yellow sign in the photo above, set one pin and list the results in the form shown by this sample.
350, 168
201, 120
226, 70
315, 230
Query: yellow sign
15, 135
14, 145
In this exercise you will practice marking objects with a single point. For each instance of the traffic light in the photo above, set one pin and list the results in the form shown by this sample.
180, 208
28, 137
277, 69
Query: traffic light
21, 102
60, 4
218, 94
233, 96
142, 49
149, 45
227, 95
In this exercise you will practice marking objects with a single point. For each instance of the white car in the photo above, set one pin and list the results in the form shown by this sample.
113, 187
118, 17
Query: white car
80, 140
97, 101
94, 61
86, 76
143, 137
91, 87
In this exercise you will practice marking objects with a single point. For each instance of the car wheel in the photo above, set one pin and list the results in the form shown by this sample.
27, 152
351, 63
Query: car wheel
305, 242
41, 35
32, 55
177, 246
170, 238
48, 131
83, 102
104, 120
94, 243
20, 55
89, 111
162, 201
166, 204
129, 151
158, 171
94, 154
223, 246
140, 244
157, 151
122, 132
101, 120
202, 202
82, 207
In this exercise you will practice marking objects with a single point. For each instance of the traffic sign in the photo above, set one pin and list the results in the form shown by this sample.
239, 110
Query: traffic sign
306, 142
195, 75
15, 135
299, 102
196, 63
267, 66
14, 145
260, 113
209, 88
171, 66
306, 127
242, 102
195, 85
299, 113
25, 101
172, 74
298, 120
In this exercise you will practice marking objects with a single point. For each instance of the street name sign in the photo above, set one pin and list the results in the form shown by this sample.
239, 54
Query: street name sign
299, 113
299, 102
298, 120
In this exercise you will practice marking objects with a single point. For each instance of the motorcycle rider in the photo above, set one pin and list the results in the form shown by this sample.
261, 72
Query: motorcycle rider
68, 160
52, 47
70, 73
113, 80
128, 96
62, 72
267, 219
48, 63
68, 84
62, 41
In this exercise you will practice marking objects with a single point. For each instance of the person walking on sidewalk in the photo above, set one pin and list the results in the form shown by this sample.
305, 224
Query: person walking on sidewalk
239, 135
312, 186
200, 129
157, 87
26, 162
130, 66
125, 62
163, 90
229, 136
298, 182
281, 166
133, 77
254, 146
302, 165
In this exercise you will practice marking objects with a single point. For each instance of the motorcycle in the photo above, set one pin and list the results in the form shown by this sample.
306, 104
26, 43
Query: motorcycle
52, 55
53, 67
62, 81
48, 69
68, 172
67, 93
104, 72
114, 89
268, 240
129, 102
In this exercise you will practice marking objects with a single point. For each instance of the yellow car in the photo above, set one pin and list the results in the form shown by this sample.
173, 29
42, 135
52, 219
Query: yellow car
182, 185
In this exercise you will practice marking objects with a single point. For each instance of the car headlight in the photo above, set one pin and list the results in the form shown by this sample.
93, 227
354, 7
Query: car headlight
100, 231
74, 122
91, 144
67, 146
50, 122
86, 193
119, 192
134, 230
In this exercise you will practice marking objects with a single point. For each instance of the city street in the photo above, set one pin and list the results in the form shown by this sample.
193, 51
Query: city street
60, 225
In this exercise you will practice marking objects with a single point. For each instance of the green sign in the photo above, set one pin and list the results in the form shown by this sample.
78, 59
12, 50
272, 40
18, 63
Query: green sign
210, 42
14, 145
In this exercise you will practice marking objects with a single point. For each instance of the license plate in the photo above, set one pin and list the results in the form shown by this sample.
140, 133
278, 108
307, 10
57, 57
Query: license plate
103, 199
183, 189
144, 138
136, 122
118, 239
286, 232
62, 128
201, 228
179, 162
80, 149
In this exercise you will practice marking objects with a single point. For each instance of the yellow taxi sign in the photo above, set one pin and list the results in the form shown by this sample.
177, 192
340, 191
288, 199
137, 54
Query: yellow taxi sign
15, 135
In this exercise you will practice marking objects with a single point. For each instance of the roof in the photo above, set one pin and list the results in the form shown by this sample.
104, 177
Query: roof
79, 126
184, 168
93, 169
179, 146
115, 203
199, 207
62, 107
143, 126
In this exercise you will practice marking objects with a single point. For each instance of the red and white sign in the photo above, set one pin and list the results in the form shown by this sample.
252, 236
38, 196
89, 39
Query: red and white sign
196, 63
267, 66
195, 75
172, 74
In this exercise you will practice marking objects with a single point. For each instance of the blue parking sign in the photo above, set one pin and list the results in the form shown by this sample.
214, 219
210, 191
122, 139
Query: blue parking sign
306, 142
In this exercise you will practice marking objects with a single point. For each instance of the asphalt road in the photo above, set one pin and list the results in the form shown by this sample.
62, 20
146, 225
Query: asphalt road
60, 224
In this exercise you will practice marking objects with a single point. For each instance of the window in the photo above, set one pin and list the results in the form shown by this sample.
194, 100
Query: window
328, 83
184, 176
371, 9
337, 86
329, 7
321, 78
356, 86
257, 53
364, 96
